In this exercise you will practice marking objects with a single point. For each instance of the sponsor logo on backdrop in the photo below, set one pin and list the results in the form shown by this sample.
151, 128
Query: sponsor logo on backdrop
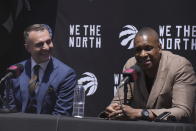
85, 36
127, 36
178, 37
89, 82
117, 79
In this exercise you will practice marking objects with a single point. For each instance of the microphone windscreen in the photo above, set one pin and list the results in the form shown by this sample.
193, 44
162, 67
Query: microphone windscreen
132, 72
16, 69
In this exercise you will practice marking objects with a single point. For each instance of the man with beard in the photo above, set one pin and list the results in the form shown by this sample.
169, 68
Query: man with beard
46, 84
166, 83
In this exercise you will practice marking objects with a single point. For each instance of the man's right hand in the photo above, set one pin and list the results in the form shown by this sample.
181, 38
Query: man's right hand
114, 110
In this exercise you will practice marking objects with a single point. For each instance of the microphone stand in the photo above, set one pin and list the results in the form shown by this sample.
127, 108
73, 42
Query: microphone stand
124, 83
5, 99
125, 94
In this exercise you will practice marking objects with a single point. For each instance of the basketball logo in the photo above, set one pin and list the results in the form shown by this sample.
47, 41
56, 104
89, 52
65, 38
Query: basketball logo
89, 82
127, 36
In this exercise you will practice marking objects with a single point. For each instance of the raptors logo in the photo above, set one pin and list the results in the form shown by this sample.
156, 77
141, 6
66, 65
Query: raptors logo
89, 82
127, 36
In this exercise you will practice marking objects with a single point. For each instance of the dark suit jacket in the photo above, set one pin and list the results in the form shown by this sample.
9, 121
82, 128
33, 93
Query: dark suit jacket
173, 89
55, 93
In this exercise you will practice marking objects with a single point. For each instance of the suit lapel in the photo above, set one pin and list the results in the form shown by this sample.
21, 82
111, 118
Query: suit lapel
49, 75
24, 82
159, 82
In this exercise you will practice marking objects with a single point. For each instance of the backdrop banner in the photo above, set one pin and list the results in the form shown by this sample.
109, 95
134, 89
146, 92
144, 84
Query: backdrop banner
95, 37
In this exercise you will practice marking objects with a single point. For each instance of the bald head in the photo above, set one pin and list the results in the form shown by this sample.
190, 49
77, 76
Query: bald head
146, 32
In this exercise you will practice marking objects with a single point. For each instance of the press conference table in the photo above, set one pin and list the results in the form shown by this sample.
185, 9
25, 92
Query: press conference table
35, 122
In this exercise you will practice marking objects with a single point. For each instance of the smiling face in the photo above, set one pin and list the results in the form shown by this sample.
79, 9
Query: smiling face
147, 51
39, 45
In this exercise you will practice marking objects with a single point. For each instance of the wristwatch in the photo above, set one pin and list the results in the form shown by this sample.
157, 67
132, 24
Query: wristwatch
145, 114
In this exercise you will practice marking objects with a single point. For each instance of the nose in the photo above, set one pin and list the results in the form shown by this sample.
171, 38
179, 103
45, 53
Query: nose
143, 53
46, 46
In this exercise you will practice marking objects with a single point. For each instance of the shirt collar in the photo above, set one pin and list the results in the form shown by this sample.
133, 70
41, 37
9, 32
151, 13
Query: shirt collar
43, 65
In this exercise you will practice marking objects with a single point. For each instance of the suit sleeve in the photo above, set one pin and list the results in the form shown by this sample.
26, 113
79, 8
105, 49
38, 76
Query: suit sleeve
64, 101
183, 93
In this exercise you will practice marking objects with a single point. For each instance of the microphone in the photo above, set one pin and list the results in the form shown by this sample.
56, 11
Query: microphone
13, 72
130, 75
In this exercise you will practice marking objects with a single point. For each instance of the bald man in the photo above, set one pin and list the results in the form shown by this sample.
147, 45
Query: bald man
166, 83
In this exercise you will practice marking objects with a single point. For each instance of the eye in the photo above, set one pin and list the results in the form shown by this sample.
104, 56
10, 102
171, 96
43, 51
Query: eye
137, 49
48, 41
40, 44
148, 48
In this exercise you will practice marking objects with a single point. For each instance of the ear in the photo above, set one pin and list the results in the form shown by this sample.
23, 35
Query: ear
160, 47
27, 47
